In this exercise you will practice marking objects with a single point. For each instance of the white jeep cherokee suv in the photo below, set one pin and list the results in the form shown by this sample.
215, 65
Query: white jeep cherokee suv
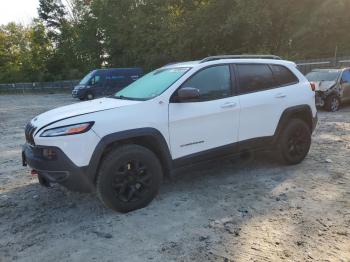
121, 146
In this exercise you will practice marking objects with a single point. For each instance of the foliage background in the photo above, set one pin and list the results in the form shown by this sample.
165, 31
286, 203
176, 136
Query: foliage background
67, 41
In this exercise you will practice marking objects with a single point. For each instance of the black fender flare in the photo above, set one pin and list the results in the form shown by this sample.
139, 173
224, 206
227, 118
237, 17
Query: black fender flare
152, 133
303, 112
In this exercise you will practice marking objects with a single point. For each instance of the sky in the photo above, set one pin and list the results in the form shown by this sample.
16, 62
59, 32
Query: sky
20, 11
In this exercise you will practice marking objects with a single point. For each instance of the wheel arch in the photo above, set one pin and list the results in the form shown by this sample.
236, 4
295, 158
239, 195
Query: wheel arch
150, 138
92, 92
302, 112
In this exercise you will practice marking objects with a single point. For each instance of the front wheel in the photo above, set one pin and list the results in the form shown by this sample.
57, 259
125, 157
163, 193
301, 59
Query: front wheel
295, 142
89, 96
129, 178
332, 103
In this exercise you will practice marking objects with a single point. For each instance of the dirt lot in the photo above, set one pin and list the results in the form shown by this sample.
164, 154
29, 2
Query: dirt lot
259, 210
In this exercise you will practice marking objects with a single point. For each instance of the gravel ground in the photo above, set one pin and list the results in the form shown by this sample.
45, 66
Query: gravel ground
258, 210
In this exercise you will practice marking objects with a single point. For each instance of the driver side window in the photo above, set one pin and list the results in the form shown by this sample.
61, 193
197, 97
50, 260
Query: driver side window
213, 83
95, 80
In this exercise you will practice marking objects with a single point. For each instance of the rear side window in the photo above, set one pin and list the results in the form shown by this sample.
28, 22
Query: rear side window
283, 75
254, 78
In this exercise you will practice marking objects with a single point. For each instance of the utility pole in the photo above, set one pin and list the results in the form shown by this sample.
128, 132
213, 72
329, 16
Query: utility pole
335, 56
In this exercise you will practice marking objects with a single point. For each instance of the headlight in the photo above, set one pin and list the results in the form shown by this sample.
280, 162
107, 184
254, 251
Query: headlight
68, 130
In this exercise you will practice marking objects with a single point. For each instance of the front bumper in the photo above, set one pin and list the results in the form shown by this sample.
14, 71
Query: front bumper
59, 169
78, 93
319, 99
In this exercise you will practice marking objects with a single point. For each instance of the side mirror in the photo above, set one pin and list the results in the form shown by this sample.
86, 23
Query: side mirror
187, 93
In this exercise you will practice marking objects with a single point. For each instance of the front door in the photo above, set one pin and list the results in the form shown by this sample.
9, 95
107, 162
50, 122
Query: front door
209, 123
97, 83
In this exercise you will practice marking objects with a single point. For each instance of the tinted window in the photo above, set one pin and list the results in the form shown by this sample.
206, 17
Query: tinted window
254, 78
213, 82
87, 78
283, 75
95, 79
346, 76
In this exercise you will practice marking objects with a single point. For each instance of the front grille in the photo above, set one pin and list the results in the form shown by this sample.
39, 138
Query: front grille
29, 133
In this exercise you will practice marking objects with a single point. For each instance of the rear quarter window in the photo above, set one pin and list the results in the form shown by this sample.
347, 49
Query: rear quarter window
283, 76
254, 78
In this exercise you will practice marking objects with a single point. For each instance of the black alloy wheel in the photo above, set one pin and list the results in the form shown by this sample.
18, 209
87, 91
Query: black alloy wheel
298, 142
129, 178
132, 181
295, 142
332, 103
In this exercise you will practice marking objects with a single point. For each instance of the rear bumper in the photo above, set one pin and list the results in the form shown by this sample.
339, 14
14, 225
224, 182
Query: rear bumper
60, 169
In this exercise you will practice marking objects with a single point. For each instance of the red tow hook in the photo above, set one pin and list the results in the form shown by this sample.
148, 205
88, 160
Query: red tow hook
34, 172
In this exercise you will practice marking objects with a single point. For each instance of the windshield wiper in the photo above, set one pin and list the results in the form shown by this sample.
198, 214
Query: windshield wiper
128, 98
119, 97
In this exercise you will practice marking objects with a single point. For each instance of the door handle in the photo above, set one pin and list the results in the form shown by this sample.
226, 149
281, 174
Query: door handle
280, 95
229, 105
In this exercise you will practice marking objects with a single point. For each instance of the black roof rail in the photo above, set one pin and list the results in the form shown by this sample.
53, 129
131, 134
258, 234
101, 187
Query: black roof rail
212, 58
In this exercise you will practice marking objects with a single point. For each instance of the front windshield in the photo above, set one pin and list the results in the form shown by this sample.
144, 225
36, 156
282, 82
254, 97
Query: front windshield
152, 84
318, 76
86, 79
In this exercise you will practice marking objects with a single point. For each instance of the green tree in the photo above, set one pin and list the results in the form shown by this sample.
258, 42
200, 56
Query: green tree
70, 39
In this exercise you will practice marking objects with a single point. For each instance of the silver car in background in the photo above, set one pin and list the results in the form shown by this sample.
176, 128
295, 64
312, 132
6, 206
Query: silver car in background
332, 87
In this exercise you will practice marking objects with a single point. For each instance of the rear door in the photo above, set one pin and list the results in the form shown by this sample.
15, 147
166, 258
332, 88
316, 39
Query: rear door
210, 122
263, 94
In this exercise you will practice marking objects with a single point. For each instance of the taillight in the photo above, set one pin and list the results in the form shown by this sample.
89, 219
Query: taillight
313, 86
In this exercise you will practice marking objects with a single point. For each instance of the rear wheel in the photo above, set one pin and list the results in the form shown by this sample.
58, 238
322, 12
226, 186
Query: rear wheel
332, 103
295, 142
129, 178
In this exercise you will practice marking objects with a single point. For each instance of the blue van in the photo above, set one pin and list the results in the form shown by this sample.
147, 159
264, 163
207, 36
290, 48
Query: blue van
104, 82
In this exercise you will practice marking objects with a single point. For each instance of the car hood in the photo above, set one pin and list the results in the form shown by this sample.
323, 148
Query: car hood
324, 85
79, 86
77, 109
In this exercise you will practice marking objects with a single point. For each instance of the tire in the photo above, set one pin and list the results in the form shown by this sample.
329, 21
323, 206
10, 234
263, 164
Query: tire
295, 142
332, 103
89, 96
129, 178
